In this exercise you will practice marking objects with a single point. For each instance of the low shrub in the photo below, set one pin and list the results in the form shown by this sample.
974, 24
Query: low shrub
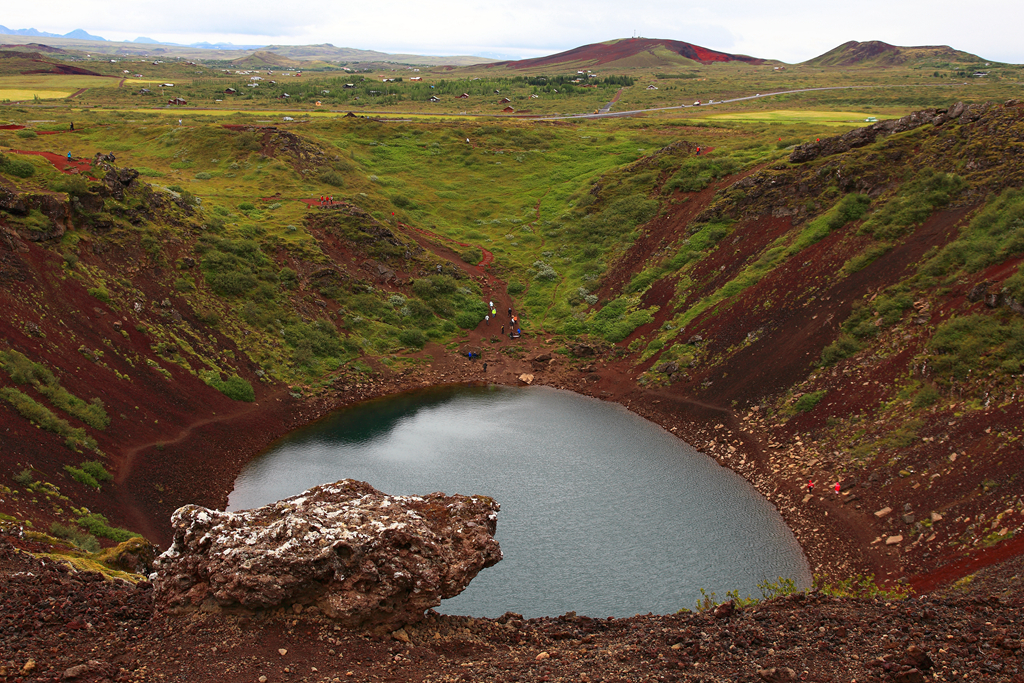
78, 538
82, 477
332, 178
697, 173
914, 203
926, 396
96, 470
98, 525
234, 387
412, 338
806, 403
74, 185
30, 409
472, 256
19, 168
99, 293
22, 371
843, 347
995, 235
974, 342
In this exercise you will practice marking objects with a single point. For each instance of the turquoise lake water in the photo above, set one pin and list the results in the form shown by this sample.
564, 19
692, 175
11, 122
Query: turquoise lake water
602, 512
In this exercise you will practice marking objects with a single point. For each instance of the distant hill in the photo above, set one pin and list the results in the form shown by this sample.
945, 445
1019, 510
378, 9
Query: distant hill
263, 59
877, 53
325, 52
629, 53
17, 62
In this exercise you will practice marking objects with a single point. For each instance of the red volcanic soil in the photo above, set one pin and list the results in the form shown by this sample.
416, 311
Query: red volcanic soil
60, 162
603, 53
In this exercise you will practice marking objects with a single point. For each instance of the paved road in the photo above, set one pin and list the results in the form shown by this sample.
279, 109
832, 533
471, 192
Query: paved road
605, 112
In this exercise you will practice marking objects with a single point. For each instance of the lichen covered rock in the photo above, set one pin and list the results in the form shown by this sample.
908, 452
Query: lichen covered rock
360, 556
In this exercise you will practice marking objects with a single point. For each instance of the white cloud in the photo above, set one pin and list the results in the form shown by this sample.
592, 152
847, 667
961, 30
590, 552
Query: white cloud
790, 30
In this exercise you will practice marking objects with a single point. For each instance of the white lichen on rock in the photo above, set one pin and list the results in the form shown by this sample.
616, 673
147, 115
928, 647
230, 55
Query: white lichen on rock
360, 556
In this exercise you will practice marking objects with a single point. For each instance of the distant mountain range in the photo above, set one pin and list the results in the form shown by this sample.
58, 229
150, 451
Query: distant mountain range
79, 34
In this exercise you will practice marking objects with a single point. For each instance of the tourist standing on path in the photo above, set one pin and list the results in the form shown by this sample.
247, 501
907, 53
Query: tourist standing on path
487, 320
810, 486
837, 488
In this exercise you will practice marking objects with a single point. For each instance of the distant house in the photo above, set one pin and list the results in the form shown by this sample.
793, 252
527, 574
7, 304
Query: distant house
463, 96
177, 100
349, 85
652, 87
416, 78
284, 96
230, 91
508, 110
435, 98
504, 100
534, 96
145, 91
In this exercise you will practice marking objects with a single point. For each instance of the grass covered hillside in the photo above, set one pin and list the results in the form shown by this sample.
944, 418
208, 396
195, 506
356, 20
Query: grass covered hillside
796, 297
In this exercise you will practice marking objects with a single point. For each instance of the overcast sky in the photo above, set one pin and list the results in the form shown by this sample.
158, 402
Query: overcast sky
788, 30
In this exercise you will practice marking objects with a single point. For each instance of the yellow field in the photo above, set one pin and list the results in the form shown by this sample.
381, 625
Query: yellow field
56, 82
828, 118
15, 95
49, 86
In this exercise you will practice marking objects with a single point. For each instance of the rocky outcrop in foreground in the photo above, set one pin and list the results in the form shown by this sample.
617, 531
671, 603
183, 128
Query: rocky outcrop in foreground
345, 549
859, 137
59, 624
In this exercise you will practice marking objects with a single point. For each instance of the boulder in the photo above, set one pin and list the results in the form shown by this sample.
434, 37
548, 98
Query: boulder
364, 558
777, 674
135, 555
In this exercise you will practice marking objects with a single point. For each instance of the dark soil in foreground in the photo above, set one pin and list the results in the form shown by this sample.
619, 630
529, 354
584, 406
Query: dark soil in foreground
58, 625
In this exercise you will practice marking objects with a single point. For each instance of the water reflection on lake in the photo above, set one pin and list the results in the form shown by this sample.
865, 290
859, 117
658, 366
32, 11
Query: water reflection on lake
602, 512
